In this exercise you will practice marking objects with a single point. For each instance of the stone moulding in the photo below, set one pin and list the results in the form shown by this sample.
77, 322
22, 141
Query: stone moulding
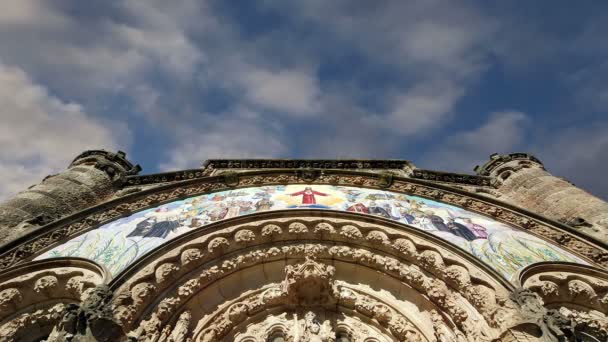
496, 160
449, 177
38, 293
312, 224
48, 280
47, 236
394, 321
576, 294
58, 263
156, 290
563, 283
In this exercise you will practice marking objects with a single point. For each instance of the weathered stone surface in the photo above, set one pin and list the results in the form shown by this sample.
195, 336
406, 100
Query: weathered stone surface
90, 321
90, 179
524, 182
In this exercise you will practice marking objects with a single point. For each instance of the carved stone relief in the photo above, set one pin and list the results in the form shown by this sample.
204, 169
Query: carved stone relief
439, 274
157, 301
311, 326
470, 302
576, 297
305, 322
40, 293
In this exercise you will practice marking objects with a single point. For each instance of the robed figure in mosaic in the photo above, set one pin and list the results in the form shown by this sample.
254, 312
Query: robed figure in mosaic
308, 195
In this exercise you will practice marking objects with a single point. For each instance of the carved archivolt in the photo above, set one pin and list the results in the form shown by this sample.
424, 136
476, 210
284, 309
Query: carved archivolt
474, 300
578, 294
565, 283
380, 317
70, 227
300, 289
258, 314
37, 293
19, 328
311, 325
313, 275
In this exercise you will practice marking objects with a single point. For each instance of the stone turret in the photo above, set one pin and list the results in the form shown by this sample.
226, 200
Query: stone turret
90, 179
523, 181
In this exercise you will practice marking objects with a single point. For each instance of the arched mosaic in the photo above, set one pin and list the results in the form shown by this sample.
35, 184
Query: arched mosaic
118, 244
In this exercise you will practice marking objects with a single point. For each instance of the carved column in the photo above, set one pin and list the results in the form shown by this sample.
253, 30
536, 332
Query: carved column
523, 181
90, 179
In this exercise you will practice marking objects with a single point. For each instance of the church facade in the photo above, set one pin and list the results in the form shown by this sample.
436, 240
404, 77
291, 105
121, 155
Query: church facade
303, 250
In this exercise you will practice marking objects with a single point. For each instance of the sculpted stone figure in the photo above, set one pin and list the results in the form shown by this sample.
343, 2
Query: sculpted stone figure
91, 321
315, 331
308, 283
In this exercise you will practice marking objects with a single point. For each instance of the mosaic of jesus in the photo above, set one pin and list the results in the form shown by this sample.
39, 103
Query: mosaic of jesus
118, 244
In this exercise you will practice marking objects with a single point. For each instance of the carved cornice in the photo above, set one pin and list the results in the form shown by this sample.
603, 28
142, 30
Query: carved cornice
497, 160
45, 237
289, 165
448, 177
47, 281
166, 177
115, 165
286, 165
335, 164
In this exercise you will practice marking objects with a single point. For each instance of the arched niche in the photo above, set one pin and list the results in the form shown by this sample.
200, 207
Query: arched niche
502, 246
229, 273
575, 296
37, 294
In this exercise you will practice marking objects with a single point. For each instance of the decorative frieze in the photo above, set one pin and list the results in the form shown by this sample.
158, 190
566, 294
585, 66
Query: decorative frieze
124, 206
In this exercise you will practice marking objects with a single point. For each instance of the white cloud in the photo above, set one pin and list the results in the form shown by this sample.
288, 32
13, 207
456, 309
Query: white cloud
84, 55
590, 86
424, 36
578, 153
361, 79
292, 92
160, 32
436, 50
233, 135
28, 12
40, 134
503, 132
423, 108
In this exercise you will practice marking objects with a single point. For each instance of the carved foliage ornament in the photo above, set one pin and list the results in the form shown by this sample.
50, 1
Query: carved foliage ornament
299, 279
309, 282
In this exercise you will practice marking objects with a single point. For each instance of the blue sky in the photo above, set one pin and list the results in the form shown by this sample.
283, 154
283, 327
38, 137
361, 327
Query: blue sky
441, 83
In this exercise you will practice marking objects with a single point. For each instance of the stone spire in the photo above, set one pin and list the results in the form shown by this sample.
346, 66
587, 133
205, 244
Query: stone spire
523, 181
90, 179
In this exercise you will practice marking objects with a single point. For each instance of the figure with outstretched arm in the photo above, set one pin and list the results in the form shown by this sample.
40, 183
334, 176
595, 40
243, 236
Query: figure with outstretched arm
479, 231
308, 195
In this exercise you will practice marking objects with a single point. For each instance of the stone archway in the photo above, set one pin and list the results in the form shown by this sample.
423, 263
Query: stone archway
309, 304
227, 280
40, 293
575, 297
